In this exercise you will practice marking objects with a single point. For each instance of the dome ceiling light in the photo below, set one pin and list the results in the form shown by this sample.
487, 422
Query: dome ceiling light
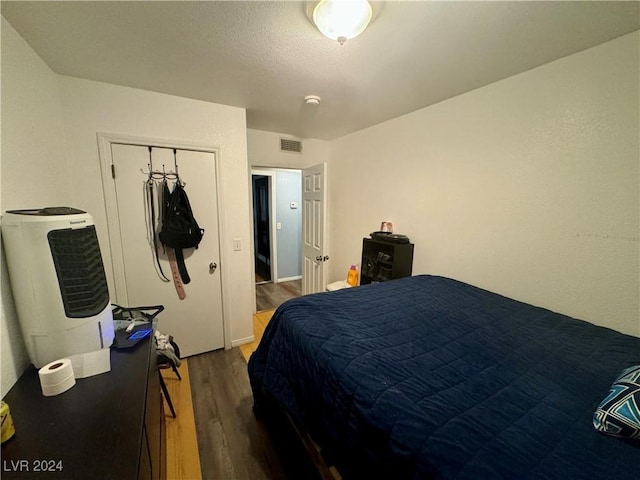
342, 19
312, 100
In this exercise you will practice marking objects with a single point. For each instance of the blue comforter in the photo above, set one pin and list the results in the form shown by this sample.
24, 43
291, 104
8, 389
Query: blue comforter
428, 377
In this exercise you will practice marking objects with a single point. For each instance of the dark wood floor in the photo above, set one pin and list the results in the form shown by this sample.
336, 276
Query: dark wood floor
271, 295
232, 443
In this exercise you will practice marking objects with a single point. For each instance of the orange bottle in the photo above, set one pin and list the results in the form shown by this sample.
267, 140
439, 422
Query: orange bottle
352, 276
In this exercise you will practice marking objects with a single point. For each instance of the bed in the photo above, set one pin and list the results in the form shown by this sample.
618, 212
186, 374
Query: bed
429, 377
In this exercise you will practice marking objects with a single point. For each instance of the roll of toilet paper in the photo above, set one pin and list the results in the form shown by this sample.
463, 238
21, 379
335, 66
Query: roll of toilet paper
56, 377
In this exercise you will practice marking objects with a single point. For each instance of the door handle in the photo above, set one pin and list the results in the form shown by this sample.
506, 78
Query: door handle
319, 258
212, 267
325, 258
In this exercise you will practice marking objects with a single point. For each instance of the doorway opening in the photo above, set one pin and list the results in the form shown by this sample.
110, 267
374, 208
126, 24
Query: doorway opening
277, 235
261, 186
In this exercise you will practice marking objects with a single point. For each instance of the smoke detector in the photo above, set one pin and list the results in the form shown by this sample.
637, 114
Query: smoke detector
312, 100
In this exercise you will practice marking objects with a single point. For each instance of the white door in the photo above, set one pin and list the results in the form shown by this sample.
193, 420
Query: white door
196, 321
314, 200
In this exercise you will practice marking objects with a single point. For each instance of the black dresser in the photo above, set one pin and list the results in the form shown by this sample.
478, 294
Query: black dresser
109, 426
382, 261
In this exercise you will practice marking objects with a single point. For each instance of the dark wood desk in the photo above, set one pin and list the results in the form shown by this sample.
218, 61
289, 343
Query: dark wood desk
107, 426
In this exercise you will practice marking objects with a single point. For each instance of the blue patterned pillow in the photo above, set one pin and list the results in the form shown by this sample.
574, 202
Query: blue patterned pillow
619, 413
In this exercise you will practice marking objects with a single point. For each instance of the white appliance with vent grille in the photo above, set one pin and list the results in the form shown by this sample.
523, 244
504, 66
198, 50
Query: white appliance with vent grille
60, 288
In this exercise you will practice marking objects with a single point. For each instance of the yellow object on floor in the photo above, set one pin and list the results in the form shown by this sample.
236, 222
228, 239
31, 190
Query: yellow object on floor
183, 459
260, 321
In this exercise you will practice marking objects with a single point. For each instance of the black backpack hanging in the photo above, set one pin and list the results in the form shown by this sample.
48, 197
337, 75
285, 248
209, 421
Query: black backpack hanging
180, 229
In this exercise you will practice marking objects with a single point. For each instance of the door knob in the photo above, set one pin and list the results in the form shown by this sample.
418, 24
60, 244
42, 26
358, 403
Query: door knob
319, 258
212, 267
325, 258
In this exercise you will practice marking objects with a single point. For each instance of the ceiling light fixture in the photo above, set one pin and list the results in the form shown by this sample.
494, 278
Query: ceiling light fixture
342, 19
312, 100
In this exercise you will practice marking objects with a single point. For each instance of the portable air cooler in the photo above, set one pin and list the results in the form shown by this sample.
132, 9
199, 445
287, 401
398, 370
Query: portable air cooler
59, 287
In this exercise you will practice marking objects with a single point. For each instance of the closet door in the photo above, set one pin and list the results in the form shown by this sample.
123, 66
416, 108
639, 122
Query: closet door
195, 321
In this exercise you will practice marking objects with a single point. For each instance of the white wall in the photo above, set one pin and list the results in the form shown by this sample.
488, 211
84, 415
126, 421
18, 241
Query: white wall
34, 168
91, 107
528, 187
264, 150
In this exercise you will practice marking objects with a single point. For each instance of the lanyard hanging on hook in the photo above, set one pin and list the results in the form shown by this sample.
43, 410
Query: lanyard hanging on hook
153, 226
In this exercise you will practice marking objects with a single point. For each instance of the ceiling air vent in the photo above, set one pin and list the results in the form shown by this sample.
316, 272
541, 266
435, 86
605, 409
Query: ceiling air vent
288, 145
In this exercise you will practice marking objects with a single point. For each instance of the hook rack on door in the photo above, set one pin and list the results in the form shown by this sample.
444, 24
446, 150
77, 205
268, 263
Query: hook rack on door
163, 175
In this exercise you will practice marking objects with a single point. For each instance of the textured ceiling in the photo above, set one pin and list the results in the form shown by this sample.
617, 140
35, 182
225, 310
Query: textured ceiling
266, 56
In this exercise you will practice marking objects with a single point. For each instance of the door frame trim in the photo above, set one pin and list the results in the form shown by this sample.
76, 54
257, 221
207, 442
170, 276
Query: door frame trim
105, 140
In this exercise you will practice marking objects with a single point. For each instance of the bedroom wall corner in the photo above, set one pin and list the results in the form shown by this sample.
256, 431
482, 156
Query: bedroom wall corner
528, 187
35, 171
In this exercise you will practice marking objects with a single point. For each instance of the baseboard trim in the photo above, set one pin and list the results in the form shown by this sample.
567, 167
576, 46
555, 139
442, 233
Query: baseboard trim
242, 341
289, 279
